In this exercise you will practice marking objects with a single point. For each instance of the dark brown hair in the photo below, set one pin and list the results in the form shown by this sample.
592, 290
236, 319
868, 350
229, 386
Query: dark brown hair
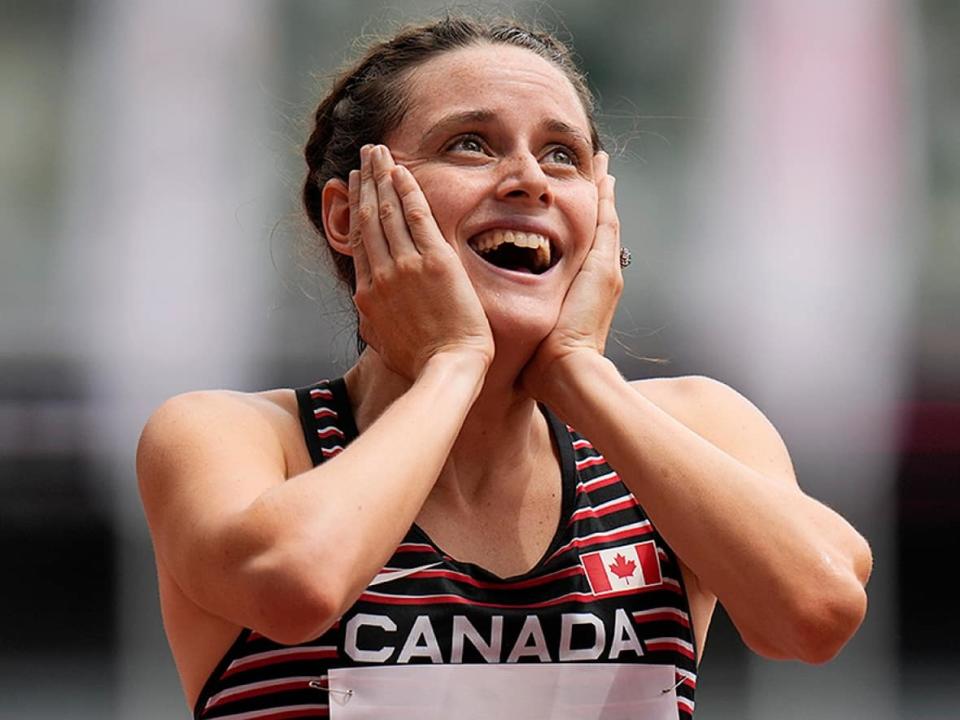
370, 98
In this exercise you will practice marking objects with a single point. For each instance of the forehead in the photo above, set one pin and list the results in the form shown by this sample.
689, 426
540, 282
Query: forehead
506, 79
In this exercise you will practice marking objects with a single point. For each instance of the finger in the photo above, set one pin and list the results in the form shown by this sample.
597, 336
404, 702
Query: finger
416, 211
607, 239
391, 209
368, 214
601, 164
360, 263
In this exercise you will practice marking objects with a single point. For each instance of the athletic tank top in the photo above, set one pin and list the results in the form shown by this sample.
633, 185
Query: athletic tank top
608, 590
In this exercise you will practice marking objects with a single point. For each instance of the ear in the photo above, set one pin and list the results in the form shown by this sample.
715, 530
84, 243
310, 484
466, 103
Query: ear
335, 202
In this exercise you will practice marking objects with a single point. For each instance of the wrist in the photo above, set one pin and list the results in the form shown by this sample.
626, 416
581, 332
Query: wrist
457, 368
563, 384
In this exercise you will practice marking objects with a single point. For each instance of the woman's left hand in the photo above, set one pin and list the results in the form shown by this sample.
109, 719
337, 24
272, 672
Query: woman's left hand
591, 301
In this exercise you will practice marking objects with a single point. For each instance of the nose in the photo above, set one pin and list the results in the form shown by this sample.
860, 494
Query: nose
522, 179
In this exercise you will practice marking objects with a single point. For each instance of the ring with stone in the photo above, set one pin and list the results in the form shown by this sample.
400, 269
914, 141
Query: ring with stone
625, 257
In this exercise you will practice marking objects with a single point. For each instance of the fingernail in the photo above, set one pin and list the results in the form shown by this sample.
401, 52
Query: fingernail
613, 181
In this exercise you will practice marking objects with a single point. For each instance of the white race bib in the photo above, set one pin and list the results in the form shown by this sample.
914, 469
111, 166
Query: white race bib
549, 691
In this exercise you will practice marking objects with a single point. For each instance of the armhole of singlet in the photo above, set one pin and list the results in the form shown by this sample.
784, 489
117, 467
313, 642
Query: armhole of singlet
568, 475
338, 386
686, 601
308, 423
214, 676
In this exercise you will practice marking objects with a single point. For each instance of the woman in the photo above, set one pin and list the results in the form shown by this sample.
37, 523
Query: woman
428, 509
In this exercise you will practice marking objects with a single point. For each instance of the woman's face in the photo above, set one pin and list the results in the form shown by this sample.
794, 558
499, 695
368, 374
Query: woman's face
500, 143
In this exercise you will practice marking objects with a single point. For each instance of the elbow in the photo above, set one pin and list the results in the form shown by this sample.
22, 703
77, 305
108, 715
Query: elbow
826, 628
289, 598
822, 624
291, 606
814, 628
832, 616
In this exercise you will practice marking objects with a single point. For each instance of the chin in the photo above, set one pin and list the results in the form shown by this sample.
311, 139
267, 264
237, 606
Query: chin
522, 326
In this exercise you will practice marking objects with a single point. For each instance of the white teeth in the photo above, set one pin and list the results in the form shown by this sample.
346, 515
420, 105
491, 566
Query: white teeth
493, 239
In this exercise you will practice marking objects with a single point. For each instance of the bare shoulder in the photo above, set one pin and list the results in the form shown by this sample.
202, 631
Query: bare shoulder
204, 414
205, 456
198, 427
723, 417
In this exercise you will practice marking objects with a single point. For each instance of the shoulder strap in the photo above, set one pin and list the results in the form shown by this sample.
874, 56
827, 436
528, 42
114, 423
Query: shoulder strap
326, 418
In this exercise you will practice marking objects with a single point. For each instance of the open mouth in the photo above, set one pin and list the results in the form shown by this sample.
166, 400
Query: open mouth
515, 250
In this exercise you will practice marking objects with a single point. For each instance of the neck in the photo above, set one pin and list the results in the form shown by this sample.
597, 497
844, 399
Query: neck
503, 429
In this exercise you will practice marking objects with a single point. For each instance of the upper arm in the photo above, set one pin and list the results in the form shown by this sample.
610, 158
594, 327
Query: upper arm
729, 421
732, 423
203, 458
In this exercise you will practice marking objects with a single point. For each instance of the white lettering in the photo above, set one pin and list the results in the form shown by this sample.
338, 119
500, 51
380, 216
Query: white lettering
567, 653
624, 636
353, 628
531, 630
422, 629
464, 630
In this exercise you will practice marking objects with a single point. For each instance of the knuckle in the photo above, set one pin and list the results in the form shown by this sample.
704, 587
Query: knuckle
408, 264
436, 260
365, 213
417, 214
379, 276
387, 211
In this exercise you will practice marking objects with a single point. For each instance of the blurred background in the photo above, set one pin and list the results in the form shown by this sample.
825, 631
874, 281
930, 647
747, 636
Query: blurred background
789, 182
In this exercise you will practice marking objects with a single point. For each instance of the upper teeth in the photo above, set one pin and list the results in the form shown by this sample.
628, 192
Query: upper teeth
492, 239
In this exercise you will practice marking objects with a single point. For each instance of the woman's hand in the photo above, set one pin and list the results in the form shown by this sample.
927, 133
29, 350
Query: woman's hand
591, 301
414, 298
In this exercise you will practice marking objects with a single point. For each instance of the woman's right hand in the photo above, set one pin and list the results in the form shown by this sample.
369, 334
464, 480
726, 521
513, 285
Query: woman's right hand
413, 295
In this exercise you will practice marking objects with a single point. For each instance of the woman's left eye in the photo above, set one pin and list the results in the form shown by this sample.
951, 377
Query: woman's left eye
562, 155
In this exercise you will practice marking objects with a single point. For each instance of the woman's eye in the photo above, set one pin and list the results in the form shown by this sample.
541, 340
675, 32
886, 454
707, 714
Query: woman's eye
468, 143
562, 156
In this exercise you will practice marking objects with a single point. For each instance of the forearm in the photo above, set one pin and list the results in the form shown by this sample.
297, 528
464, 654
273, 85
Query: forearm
778, 560
333, 527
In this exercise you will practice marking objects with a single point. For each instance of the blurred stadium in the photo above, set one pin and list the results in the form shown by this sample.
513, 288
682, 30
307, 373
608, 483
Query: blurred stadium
788, 180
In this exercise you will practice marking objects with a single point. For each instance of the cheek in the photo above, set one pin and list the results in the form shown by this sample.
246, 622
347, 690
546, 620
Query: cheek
449, 195
583, 214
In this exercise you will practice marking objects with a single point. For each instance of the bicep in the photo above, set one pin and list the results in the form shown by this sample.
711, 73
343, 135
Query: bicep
202, 460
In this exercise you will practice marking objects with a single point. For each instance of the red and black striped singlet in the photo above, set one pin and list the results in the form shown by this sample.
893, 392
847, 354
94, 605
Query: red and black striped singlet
608, 589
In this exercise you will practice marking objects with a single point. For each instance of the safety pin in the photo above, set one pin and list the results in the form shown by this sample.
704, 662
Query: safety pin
317, 684
673, 687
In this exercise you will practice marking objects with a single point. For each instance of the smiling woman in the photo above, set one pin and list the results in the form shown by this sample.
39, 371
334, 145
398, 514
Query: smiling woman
482, 516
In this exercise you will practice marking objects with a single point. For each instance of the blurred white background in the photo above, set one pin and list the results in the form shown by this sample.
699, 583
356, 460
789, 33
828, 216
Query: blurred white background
788, 180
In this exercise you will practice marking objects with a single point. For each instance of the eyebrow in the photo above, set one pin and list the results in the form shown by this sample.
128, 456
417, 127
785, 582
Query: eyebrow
486, 117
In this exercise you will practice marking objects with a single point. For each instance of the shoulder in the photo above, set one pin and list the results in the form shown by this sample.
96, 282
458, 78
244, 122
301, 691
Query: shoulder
723, 417
208, 420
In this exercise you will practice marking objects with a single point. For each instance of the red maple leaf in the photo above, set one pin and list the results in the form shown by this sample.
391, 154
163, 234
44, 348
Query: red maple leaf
622, 567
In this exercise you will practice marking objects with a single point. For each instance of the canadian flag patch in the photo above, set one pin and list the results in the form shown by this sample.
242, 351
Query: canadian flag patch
622, 568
